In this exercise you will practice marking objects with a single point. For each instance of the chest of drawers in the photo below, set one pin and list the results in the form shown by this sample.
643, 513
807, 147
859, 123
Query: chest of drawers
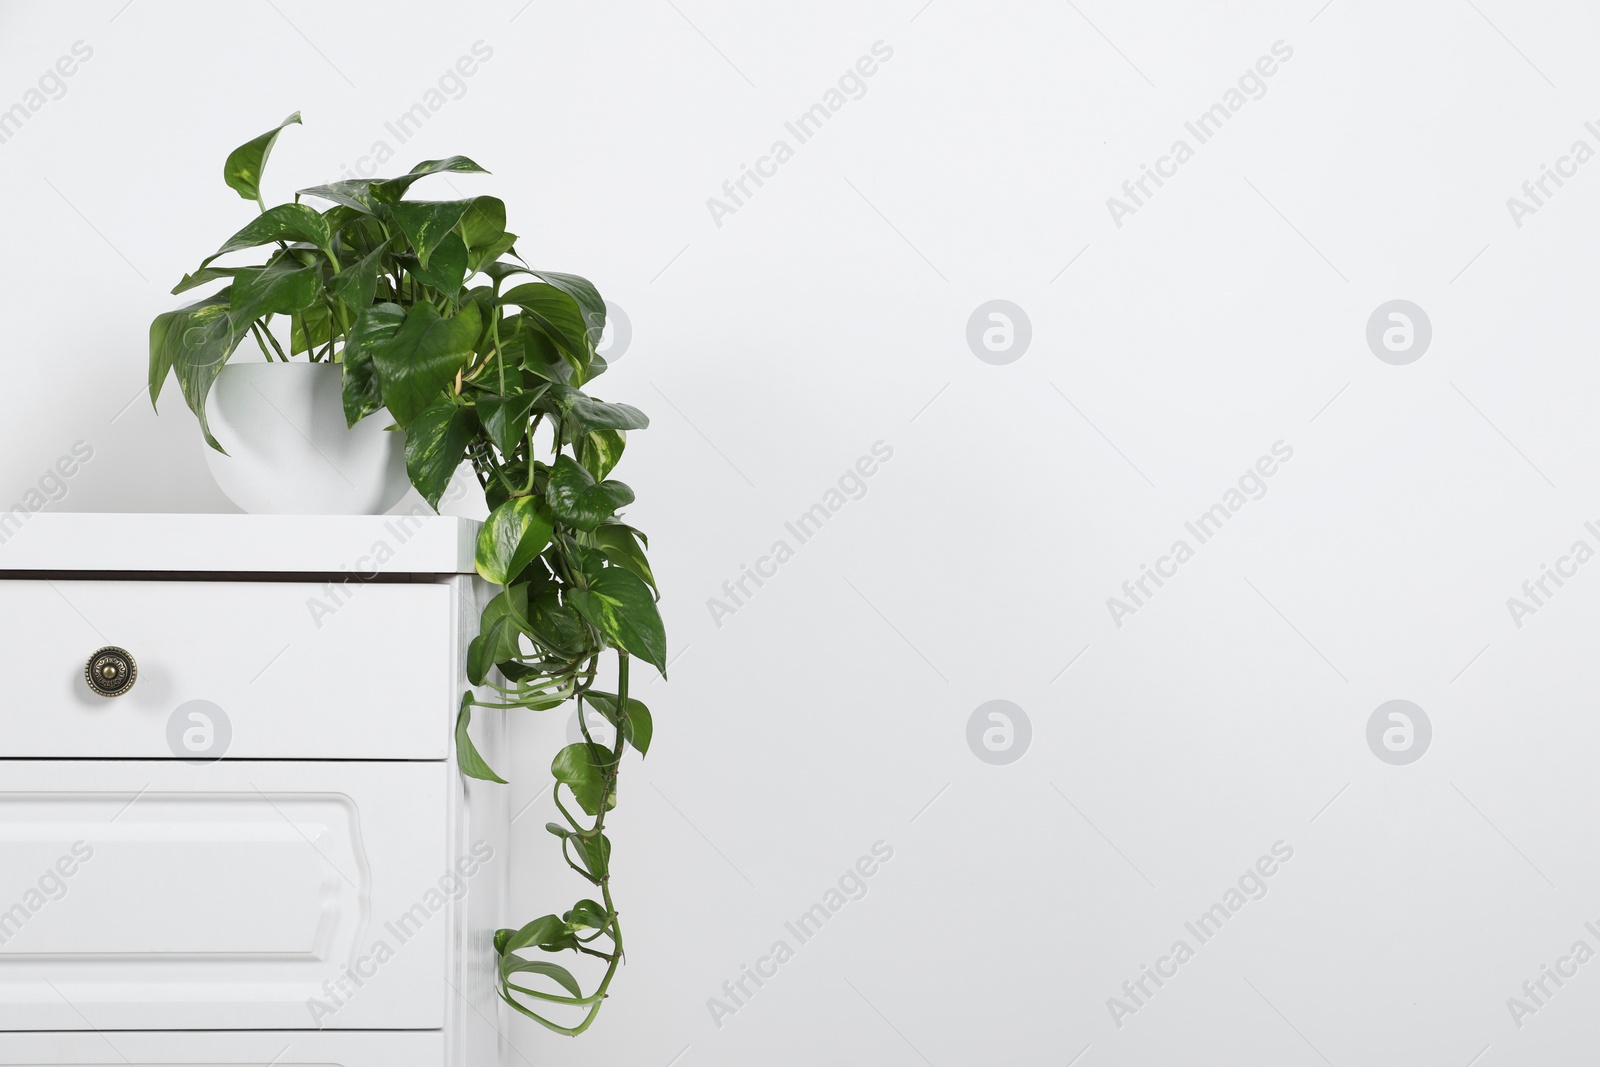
258, 850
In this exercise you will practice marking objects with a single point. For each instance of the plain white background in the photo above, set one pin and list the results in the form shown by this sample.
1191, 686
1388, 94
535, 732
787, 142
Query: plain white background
829, 312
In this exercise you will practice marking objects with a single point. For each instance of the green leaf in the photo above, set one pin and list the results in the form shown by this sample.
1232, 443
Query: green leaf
436, 442
364, 227
588, 297
542, 931
484, 224
619, 605
426, 223
502, 270
369, 195
416, 365
586, 915
357, 284
596, 853
556, 625
539, 354
447, 268
602, 451
582, 768
282, 287
389, 190
585, 414
577, 498
554, 971
505, 418
486, 254
637, 728
310, 329
513, 535
499, 640
471, 763
243, 169
558, 315
356, 193
195, 341
374, 327
201, 277
286, 222
621, 547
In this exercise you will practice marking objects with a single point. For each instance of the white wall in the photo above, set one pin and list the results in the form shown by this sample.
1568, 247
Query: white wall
829, 312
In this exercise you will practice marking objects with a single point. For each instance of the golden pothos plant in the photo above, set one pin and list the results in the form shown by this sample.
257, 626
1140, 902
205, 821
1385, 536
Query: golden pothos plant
478, 358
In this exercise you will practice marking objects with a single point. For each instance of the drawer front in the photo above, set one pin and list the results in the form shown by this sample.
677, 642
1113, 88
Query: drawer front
160, 895
273, 670
251, 1049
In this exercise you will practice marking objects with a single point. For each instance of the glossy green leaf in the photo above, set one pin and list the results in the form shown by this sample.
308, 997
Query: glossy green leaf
484, 223
243, 169
416, 365
621, 547
282, 287
619, 605
484, 255
555, 624
499, 640
513, 535
504, 269
540, 356
601, 452
389, 190
542, 931
554, 971
582, 768
201, 277
636, 729
472, 764
577, 498
595, 852
557, 314
361, 226
311, 329
505, 418
357, 284
586, 915
355, 193
436, 443
195, 342
589, 300
584, 414
426, 223
447, 267
286, 222
374, 327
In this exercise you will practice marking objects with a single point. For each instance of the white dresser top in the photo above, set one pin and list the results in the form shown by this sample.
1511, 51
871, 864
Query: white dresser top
221, 544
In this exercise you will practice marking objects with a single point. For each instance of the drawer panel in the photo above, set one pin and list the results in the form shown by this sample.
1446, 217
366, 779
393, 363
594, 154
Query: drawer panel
275, 670
162, 895
251, 1049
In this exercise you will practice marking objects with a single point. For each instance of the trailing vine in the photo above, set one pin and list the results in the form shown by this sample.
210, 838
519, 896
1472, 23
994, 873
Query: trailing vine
494, 377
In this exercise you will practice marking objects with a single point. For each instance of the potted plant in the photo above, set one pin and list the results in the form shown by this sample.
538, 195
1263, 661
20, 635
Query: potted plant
289, 449
379, 291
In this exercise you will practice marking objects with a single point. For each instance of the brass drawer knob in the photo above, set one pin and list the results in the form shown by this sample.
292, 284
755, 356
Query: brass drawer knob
111, 671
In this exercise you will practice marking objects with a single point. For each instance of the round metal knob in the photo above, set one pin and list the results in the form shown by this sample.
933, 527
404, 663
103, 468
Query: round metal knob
111, 671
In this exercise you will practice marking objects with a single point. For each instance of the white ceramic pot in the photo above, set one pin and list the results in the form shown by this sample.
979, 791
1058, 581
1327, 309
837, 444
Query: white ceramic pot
289, 450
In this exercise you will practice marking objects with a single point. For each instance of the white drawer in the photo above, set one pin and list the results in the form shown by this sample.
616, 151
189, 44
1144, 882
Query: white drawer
145, 895
250, 1049
296, 675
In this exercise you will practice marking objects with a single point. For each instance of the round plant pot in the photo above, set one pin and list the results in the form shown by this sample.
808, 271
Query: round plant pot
289, 449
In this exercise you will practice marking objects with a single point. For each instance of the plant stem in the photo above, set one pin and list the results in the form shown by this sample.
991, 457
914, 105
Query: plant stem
256, 332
